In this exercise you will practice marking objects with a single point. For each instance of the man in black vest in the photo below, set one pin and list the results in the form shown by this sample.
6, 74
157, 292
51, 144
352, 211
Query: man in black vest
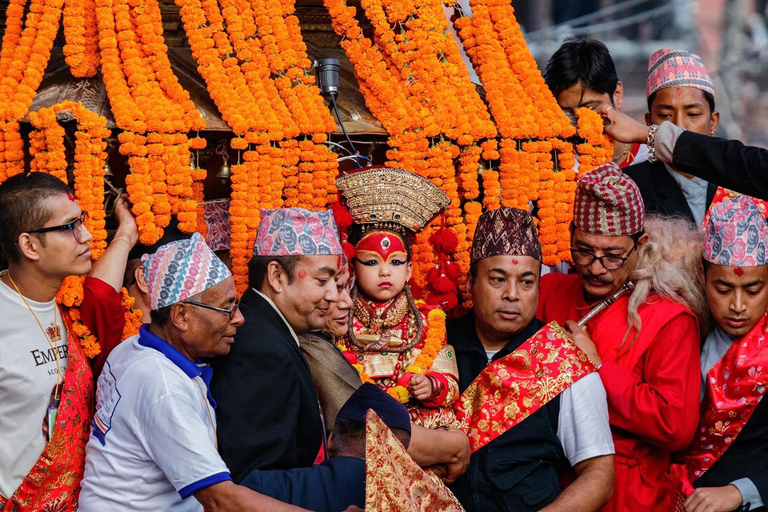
519, 470
679, 90
268, 413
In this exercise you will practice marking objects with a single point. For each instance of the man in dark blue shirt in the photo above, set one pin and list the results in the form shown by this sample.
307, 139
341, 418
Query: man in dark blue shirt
338, 482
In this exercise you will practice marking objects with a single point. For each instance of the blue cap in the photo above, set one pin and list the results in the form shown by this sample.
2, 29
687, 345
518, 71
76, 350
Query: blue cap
370, 396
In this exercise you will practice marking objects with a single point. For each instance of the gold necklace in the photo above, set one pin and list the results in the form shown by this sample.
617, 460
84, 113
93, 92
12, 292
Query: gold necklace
54, 348
210, 418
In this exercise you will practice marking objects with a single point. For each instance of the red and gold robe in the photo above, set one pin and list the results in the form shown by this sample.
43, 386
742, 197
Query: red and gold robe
389, 369
652, 385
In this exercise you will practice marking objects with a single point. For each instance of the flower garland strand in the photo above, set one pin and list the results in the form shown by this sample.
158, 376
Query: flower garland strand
597, 148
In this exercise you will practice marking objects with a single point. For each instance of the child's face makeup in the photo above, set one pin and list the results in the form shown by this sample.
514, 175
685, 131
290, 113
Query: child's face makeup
381, 266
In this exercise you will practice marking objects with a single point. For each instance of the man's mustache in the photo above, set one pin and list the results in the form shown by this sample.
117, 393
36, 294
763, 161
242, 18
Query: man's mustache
602, 279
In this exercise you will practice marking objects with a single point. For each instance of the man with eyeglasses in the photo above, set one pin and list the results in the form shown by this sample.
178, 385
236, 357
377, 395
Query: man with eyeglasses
153, 445
646, 352
46, 394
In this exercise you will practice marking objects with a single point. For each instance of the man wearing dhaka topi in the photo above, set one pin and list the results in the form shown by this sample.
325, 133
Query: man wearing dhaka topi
646, 343
533, 402
728, 461
153, 442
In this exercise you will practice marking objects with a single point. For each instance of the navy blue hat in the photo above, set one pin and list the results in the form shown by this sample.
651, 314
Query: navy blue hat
370, 396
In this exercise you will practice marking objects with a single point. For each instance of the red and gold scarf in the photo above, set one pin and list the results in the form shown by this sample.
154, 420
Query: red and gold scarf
53, 484
734, 387
512, 388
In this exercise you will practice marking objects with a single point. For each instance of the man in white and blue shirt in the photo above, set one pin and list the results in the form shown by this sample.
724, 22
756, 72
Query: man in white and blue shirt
153, 445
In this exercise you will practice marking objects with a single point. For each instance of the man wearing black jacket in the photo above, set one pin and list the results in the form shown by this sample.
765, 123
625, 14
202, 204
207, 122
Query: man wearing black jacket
728, 163
678, 90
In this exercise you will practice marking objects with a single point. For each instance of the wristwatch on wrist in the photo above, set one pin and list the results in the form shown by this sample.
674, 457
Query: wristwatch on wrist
650, 141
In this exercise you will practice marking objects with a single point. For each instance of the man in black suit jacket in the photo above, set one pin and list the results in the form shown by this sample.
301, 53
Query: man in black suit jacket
728, 163
268, 413
679, 90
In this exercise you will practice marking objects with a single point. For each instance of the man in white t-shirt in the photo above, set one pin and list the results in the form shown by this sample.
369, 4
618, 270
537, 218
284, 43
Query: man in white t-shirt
43, 237
153, 445
519, 469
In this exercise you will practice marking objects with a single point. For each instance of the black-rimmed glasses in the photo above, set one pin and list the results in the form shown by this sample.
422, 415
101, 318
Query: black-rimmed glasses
228, 312
76, 226
608, 261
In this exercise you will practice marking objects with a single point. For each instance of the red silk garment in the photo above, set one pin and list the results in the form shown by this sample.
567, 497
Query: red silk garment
652, 388
102, 312
512, 388
53, 484
735, 385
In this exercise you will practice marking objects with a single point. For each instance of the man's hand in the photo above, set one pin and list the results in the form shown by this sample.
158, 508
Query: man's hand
420, 387
127, 228
580, 338
622, 127
714, 499
353, 508
446, 452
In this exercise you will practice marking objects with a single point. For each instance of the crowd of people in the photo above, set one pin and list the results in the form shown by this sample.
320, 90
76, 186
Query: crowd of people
632, 382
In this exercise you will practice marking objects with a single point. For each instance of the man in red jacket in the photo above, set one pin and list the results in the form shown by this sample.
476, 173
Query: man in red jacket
646, 351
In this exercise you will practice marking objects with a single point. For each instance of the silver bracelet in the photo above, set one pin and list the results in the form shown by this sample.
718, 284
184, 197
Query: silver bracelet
650, 142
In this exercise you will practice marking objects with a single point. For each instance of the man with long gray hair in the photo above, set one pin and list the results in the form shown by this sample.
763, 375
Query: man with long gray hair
646, 343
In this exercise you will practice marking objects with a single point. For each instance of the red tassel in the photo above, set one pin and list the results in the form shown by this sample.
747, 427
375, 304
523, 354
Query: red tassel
446, 302
349, 251
444, 240
451, 271
442, 285
342, 216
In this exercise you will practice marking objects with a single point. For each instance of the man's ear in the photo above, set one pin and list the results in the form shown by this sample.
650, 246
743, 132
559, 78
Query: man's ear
29, 246
179, 316
470, 281
330, 442
715, 121
275, 277
141, 281
643, 239
618, 96
648, 118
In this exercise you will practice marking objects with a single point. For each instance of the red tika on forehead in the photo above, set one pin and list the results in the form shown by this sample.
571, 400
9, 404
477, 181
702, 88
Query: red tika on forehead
738, 271
384, 244
70, 196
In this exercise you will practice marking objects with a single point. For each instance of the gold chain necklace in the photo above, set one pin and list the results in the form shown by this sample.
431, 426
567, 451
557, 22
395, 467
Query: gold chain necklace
210, 417
54, 348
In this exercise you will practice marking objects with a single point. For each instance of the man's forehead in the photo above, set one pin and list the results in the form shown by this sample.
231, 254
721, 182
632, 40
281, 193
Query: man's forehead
62, 209
511, 265
603, 242
328, 264
736, 276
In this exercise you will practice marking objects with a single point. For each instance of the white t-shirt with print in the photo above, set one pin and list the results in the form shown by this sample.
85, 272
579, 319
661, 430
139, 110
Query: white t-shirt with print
153, 442
28, 376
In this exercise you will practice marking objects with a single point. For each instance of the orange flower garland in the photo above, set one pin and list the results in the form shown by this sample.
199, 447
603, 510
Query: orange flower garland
597, 148
81, 50
133, 320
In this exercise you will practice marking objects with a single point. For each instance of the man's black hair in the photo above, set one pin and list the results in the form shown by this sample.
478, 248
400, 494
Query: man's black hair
24, 208
580, 59
710, 101
349, 437
257, 268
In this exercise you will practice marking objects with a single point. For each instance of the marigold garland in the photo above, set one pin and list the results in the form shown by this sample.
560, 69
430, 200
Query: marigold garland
49, 155
597, 148
133, 316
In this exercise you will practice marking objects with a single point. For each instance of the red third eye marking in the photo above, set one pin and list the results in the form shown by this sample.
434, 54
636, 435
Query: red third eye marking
738, 271
514, 262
